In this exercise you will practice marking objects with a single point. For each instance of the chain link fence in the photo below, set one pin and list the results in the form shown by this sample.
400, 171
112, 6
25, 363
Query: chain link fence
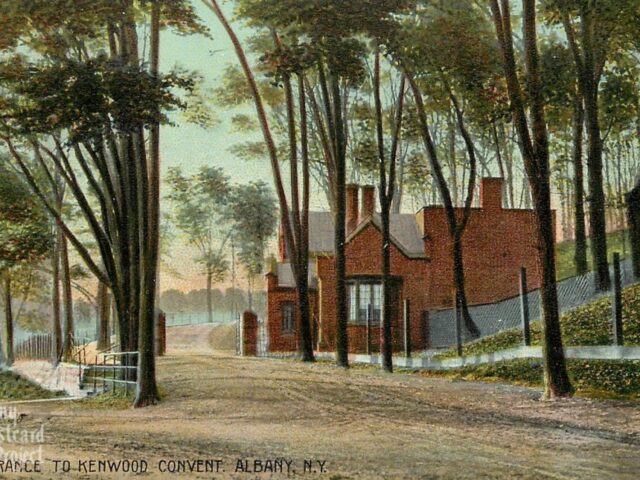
504, 315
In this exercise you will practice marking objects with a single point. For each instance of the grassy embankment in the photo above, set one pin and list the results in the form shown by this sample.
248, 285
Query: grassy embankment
13, 387
586, 325
616, 242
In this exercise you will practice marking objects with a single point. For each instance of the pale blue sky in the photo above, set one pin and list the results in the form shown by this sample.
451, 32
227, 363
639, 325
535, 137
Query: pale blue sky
190, 146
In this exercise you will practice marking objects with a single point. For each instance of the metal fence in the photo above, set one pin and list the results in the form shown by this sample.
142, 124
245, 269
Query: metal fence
116, 370
495, 317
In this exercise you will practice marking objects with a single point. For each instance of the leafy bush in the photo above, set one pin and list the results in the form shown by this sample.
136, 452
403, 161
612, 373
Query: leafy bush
589, 324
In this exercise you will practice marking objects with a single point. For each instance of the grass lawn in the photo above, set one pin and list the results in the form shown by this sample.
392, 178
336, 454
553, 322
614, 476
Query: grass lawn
586, 325
565, 251
592, 378
14, 387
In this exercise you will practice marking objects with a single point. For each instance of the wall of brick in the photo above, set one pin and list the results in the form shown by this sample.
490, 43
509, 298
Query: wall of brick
364, 259
249, 334
496, 244
280, 341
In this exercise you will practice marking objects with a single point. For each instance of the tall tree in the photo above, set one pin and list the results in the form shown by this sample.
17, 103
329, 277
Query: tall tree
387, 187
252, 209
97, 116
25, 237
566, 107
535, 153
595, 31
200, 204
458, 71
294, 237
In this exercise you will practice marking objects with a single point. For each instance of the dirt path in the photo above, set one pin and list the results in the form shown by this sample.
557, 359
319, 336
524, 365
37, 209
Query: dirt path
363, 423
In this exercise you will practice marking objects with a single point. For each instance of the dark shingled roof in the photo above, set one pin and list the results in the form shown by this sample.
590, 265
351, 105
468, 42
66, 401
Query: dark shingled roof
285, 275
405, 233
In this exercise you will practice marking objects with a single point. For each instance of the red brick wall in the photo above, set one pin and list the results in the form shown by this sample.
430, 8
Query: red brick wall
280, 341
249, 334
496, 244
364, 258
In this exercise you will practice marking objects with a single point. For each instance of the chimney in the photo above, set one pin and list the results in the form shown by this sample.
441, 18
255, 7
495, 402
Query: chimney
352, 208
368, 202
491, 193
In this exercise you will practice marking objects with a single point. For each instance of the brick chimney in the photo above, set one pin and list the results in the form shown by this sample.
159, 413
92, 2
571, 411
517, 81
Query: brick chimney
368, 202
491, 193
352, 208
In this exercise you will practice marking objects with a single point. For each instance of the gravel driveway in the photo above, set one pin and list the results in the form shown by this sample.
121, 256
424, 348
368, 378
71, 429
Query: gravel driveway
264, 414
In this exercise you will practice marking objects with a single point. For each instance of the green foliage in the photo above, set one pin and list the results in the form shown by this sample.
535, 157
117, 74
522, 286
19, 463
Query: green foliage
234, 90
595, 378
559, 83
199, 211
586, 325
51, 27
314, 31
619, 95
31, 295
199, 109
452, 50
565, 265
80, 97
14, 387
24, 229
253, 211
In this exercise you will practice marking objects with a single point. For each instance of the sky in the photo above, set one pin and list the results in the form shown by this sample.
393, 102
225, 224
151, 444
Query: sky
190, 146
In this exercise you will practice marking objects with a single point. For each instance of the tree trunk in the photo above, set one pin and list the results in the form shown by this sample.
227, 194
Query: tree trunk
149, 239
535, 153
458, 279
104, 312
265, 127
557, 382
580, 254
633, 218
8, 321
210, 296
387, 189
387, 340
597, 220
55, 301
456, 227
67, 349
302, 283
304, 315
340, 218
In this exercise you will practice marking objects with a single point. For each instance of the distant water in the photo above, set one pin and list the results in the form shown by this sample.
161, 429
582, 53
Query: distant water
87, 331
197, 318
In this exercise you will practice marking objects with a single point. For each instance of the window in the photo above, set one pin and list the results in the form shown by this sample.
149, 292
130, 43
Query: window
288, 317
365, 302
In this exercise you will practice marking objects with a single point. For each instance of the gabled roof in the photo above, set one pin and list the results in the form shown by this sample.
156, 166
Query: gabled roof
405, 233
285, 275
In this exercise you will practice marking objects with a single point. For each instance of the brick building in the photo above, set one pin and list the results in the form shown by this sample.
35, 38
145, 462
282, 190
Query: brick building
496, 243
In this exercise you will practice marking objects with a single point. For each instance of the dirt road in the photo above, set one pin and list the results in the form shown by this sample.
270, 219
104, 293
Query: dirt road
364, 424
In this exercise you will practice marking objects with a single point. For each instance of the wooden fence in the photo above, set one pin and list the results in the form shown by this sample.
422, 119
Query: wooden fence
36, 347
